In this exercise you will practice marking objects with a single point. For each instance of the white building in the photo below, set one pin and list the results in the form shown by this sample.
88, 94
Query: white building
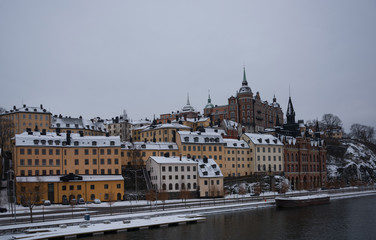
172, 174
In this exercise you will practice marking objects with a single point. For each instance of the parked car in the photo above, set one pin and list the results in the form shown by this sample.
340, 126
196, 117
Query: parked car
47, 203
2, 210
65, 201
97, 201
81, 201
73, 201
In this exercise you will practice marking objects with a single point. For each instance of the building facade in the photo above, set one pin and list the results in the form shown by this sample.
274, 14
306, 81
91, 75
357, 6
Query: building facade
46, 157
249, 110
210, 178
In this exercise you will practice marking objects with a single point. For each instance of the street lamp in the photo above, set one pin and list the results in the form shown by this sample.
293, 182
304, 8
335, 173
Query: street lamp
43, 209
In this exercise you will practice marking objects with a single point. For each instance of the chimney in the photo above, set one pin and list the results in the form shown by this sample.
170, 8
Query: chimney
68, 137
81, 133
180, 157
107, 134
167, 154
24, 105
205, 160
41, 106
43, 132
58, 131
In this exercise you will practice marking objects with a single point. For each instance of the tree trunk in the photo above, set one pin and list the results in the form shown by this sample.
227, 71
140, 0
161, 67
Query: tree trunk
31, 214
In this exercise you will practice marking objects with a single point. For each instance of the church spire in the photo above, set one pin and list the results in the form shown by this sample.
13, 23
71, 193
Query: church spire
188, 99
290, 112
244, 83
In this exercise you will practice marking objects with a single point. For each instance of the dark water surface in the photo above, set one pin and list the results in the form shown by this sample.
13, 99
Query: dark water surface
353, 218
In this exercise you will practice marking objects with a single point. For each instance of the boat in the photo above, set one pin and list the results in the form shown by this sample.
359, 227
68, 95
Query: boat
302, 201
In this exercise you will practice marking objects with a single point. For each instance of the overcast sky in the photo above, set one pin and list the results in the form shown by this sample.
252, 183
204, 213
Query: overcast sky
96, 58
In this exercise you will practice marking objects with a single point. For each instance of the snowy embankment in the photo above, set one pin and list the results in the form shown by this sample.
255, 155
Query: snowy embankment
115, 223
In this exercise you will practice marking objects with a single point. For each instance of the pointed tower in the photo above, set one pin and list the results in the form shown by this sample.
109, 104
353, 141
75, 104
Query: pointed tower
245, 88
188, 107
317, 132
209, 104
290, 112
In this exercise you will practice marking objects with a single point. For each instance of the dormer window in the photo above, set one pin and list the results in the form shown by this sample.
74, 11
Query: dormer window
217, 173
196, 139
50, 142
205, 173
216, 139
67, 125
94, 143
242, 144
76, 125
143, 146
57, 142
58, 125
186, 139
235, 144
43, 142
170, 146
76, 143
112, 143
206, 140
36, 141
260, 140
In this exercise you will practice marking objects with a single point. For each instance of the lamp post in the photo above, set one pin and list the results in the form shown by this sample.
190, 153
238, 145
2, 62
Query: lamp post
43, 209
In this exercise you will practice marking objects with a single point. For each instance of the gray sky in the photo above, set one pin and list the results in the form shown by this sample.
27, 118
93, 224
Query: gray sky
96, 58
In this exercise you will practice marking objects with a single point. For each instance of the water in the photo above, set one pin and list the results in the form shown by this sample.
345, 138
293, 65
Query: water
353, 218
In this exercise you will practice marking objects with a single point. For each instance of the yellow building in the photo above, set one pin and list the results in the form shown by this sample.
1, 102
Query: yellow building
28, 117
267, 152
136, 154
195, 123
93, 127
238, 158
197, 145
158, 133
51, 156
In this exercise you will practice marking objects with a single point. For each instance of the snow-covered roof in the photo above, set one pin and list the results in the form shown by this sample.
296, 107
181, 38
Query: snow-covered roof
140, 122
200, 137
196, 120
27, 109
77, 123
208, 169
263, 139
173, 160
166, 125
215, 130
53, 139
150, 145
229, 124
56, 178
234, 143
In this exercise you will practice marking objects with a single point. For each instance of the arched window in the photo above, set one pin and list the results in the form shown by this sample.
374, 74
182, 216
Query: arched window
194, 186
92, 196
182, 186
106, 196
164, 186
189, 186
119, 196
177, 186
170, 186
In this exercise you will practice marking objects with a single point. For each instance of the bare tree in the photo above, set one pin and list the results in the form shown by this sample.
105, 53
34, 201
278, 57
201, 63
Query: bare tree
30, 194
6, 133
111, 200
150, 196
330, 122
257, 189
361, 132
284, 187
242, 191
184, 194
163, 196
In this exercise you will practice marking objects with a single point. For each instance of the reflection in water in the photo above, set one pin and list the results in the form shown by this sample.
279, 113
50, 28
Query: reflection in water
353, 218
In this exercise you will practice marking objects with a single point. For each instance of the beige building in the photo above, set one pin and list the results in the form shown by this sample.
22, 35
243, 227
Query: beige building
210, 180
137, 153
158, 133
238, 158
172, 174
267, 153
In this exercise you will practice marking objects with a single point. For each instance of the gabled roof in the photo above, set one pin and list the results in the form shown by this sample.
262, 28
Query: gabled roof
200, 137
208, 168
172, 160
263, 139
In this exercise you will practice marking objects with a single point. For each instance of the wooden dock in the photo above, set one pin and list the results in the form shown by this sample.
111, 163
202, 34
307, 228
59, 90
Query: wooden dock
87, 229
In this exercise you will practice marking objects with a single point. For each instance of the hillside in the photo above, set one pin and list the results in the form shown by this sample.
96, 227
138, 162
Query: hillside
350, 161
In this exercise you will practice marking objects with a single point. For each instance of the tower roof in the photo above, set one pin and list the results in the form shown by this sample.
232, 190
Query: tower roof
209, 104
245, 88
188, 107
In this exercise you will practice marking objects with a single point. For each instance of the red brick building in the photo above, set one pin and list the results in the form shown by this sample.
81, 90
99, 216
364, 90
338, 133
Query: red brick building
245, 108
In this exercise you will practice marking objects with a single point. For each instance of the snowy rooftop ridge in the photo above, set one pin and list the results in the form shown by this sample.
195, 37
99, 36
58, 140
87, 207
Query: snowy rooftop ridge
234, 143
166, 125
173, 160
56, 178
53, 139
200, 137
150, 145
77, 123
208, 168
263, 139
27, 109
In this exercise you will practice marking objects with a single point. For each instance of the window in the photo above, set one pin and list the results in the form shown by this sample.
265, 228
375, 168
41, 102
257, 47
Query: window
57, 151
71, 187
206, 182
50, 162
118, 185
163, 169
176, 169
44, 162
108, 151
78, 187
50, 151
106, 186
75, 151
22, 162
109, 171
102, 161
92, 187
22, 151
182, 168
63, 188
57, 162
36, 162
109, 161
36, 151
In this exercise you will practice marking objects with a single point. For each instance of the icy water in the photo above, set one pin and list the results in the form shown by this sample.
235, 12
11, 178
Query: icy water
353, 218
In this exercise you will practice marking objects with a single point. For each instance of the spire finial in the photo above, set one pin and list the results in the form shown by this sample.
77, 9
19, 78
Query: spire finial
188, 99
244, 83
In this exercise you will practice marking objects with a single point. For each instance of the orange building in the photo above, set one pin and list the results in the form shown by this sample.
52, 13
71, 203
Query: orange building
71, 158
